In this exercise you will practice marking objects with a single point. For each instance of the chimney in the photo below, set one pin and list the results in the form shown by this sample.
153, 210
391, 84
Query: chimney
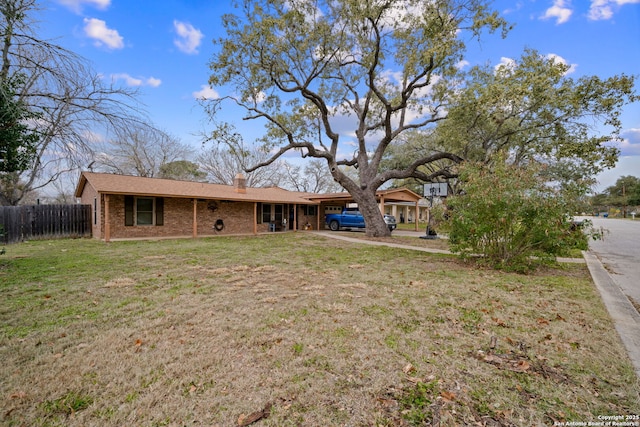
240, 183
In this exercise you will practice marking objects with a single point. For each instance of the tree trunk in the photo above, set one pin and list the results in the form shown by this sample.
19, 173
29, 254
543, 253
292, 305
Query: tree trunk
373, 218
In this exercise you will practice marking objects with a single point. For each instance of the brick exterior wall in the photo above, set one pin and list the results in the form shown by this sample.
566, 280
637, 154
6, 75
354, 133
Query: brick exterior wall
90, 197
306, 219
237, 217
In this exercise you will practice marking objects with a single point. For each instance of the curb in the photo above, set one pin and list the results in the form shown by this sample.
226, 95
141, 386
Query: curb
626, 318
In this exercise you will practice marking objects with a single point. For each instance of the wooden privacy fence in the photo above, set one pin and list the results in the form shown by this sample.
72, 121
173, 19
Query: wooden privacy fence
19, 223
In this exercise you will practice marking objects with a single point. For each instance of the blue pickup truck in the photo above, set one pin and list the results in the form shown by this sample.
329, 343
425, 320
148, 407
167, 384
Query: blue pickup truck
352, 218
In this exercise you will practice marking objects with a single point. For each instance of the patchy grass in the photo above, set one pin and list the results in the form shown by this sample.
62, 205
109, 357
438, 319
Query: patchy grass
301, 330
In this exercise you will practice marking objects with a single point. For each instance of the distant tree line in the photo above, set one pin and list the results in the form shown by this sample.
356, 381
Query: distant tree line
624, 194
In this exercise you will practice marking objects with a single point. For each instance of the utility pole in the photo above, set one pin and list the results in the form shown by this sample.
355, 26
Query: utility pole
624, 201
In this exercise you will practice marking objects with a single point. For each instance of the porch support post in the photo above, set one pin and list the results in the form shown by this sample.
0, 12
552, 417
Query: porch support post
417, 216
255, 217
195, 218
295, 217
381, 205
318, 217
107, 225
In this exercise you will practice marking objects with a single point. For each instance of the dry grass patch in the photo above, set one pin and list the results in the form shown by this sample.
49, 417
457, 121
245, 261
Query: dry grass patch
293, 329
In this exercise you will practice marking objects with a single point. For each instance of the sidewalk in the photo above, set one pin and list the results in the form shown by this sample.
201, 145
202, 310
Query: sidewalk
334, 235
625, 317
417, 234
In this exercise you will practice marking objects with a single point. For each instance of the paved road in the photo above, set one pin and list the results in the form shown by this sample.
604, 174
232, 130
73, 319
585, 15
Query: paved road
619, 252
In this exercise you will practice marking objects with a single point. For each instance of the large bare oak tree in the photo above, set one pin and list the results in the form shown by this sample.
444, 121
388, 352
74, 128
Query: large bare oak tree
382, 68
69, 103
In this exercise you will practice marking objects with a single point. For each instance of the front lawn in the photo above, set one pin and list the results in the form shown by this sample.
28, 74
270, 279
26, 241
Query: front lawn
296, 329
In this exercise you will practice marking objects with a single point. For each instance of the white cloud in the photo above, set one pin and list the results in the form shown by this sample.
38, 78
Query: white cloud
103, 36
153, 82
76, 5
462, 64
206, 92
135, 82
630, 145
601, 10
505, 65
560, 11
560, 60
189, 37
93, 137
309, 8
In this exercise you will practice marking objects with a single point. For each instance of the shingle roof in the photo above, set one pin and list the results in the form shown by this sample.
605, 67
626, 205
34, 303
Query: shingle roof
124, 184
391, 195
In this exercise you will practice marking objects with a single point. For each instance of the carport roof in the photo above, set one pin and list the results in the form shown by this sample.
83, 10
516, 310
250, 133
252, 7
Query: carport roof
391, 195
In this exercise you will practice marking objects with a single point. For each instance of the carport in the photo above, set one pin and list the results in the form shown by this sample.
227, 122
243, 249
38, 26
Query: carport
333, 201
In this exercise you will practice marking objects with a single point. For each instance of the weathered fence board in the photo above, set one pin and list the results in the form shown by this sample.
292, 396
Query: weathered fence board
19, 223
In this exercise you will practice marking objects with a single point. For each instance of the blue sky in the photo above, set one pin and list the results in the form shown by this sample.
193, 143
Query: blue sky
162, 47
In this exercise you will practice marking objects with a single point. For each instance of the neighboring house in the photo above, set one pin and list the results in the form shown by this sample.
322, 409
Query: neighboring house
405, 212
138, 207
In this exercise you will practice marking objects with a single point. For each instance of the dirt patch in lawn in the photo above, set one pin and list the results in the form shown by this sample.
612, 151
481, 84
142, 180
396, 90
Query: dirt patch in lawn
299, 330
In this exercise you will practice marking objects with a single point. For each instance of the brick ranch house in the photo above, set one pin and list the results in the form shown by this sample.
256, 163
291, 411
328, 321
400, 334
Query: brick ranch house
137, 207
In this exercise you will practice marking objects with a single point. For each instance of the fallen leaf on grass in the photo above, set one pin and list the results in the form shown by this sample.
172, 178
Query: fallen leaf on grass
511, 362
493, 359
448, 396
542, 321
522, 366
408, 368
499, 322
245, 420
387, 403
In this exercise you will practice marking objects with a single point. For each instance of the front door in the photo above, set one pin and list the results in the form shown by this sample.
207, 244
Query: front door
278, 214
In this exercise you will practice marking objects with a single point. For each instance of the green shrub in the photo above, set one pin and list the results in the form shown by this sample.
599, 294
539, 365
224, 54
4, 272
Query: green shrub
511, 217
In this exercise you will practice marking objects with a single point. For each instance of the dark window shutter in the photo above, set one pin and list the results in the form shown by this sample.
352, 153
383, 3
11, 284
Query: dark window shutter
128, 210
159, 211
259, 213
